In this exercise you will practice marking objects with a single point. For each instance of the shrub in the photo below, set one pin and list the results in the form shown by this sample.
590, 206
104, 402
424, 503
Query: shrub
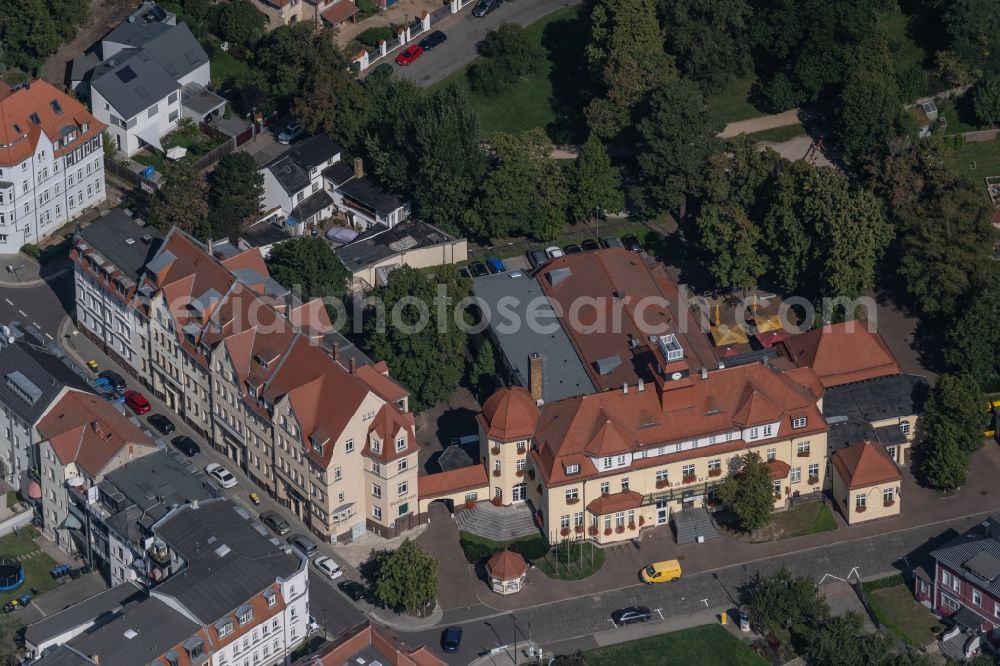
475, 551
508, 54
530, 549
372, 36
31, 250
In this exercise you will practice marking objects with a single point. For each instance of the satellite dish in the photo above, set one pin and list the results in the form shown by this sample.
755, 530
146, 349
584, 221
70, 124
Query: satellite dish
676, 376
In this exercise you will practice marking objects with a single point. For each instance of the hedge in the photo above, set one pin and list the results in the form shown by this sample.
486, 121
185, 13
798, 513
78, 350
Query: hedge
477, 549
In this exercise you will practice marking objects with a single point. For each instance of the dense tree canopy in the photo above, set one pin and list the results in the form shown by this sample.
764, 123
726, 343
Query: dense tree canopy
406, 577
309, 267
733, 241
240, 22
986, 100
709, 39
508, 54
749, 492
974, 29
285, 59
334, 103
953, 421
29, 32
236, 187
595, 185
973, 338
182, 201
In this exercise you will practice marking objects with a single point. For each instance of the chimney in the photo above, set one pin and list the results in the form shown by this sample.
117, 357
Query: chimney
704, 372
535, 377
625, 387
354, 365
642, 385
96, 658
359, 167
336, 350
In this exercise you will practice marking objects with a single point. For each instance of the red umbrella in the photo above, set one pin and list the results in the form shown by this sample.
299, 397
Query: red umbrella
35, 490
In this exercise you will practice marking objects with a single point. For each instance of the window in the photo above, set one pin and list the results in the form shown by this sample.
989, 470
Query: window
471, 497
337, 474
803, 448
607, 522
777, 489
661, 476
814, 471
799, 422
246, 616
977, 598
905, 427
225, 629
620, 519
376, 490
172, 98
796, 475
340, 497
497, 465
772, 454
860, 502
376, 468
715, 465
625, 484
564, 521
578, 518
402, 465
620, 461
605, 487
687, 470
377, 512
768, 431
996, 609
572, 469
376, 446
572, 495
400, 444
888, 495
401, 488
271, 600
349, 446
631, 516
606, 463
949, 602
520, 464
946, 578
956, 583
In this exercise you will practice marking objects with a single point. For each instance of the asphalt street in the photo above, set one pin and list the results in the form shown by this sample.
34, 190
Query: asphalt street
465, 32
43, 306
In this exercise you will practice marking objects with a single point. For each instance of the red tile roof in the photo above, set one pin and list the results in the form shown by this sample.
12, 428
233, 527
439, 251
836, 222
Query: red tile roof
843, 353
388, 425
452, 481
42, 99
90, 431
865, 464
623, 501
509, 414
506, 565
339, 12
377, 378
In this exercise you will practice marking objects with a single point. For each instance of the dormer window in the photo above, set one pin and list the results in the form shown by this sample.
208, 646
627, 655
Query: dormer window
244, 614
376, 445
606, 463
272, 599
799, 422
573, 469
400, 444
224, 628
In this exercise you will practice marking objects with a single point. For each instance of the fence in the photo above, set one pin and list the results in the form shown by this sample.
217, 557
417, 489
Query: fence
214, 155
130, 176
365, 59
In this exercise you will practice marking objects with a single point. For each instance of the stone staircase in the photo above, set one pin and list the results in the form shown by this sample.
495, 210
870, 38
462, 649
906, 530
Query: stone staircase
498, 523
693, 523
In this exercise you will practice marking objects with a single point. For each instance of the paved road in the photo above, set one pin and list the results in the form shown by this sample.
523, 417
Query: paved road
43, 306
465, 32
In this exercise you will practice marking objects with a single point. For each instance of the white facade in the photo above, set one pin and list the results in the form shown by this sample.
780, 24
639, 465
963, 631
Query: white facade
159, 118
18, 452
275, 195
112, 320
43, 192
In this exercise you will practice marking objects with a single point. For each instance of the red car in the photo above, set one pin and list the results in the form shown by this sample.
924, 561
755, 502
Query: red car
411, 53
136, 402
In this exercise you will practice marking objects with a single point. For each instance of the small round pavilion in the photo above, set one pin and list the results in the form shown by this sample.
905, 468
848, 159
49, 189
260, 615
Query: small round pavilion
507, 572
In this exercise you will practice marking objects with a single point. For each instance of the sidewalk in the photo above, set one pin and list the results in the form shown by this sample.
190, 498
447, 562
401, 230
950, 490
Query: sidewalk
403, 622
761, 123
21, 271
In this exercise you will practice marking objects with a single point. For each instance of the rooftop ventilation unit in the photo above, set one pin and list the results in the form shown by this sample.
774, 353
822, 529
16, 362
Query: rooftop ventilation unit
130, 241
671, 347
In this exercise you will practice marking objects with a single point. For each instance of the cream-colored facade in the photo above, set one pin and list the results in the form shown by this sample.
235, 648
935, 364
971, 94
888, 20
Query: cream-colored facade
868, 503
443, 254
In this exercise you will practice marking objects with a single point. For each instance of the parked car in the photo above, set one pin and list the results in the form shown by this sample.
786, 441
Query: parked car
103, 384
92, 364
137, 402
303, 543
484, 7
436, 38
631, 615
589, 245
353, 589
114, 396
610, 241
536, 257
464, 272
221, 474
186, 445
572, 249
275, 522
631, 243
661, 572
409, 55
554, 252
451, 641
496, 265
328, 567
382, 70
116, 380
478, 269
291, 132
161, 423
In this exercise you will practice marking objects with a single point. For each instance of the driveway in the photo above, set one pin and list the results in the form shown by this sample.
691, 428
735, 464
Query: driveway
465, 32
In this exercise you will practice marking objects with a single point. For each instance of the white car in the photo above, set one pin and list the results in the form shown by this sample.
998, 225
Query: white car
554, 252
328, 567
221, 474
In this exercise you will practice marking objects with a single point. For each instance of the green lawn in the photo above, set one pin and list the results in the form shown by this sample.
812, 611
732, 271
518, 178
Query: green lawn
959, 114
550, 97
816, 517
732, 103
708, 644
36, 568
779, 134
895, 607
225, 67
576, 560
978, 160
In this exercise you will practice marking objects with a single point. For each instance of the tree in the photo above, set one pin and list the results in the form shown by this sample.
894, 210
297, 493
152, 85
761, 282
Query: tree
709, 39
677, 136
407, 577
525, 191
287, 56
508, 54
236, 189
240, 22
483, 367
955, 412
732, 243
625, 60
308, 265
108, 144
197, 11
749, 492
780, 601
68, 16
595, 185
869, 108
389, 134
423, 349
943, 464
986, 100
843, 641
334, 103
738, 172
28, 34
974, 337
974, 28
182, 201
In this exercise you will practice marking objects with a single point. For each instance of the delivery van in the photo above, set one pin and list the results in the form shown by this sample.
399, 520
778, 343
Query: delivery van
661, 572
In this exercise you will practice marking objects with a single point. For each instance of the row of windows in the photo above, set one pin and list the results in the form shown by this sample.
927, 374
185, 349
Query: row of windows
402, 488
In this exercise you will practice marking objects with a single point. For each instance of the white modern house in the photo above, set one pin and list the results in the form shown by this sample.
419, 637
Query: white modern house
51, 162
146, 74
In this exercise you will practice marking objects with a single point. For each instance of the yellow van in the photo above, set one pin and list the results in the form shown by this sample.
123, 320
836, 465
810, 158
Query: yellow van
661, 572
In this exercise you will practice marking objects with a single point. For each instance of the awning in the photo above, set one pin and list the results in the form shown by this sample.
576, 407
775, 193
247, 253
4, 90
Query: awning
149, 135
72, 523
176, 153
35, 490
765, 324
724, 334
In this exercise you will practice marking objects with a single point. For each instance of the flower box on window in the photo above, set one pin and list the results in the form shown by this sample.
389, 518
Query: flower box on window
470, 504
496, 472
813, 480
690, 478
519, 473
579, 529
715, 472
593, 530
497, 501
662, 484
495, 450
888, 502
860, 508
564, 532
803, 454
607, 531
573, 500
631, 526
620, 529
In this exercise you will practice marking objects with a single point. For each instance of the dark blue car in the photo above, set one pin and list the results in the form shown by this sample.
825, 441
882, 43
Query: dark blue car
452, 639
496, 265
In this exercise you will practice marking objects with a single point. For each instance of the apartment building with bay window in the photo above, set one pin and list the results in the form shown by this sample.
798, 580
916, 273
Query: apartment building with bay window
262, 376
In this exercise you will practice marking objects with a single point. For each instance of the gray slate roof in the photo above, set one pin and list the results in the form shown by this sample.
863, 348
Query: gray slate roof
370, 193
291, 168
108, 235
975, 555
100, 608
312, 204
44, 365
379, 242
564, 375
63, 655
850, 409
132, 81
212, 586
